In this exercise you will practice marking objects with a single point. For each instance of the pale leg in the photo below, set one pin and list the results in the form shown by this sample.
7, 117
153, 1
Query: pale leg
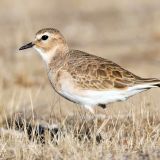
90, 108
93, 111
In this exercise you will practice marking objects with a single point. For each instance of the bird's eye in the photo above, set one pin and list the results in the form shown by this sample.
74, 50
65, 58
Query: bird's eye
44, 37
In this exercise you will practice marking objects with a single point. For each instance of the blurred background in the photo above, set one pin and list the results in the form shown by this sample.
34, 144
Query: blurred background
126, 32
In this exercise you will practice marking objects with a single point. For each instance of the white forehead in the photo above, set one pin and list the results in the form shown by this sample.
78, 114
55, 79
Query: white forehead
39, 36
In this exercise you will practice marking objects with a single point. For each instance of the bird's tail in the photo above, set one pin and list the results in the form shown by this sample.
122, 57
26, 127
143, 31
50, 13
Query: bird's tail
148, 82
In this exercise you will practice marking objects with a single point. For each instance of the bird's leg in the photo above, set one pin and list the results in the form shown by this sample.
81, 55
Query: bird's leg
94, 113
90, 108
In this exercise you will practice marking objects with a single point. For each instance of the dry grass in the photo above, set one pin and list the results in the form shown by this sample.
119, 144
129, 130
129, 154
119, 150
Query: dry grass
35, 123
130, 137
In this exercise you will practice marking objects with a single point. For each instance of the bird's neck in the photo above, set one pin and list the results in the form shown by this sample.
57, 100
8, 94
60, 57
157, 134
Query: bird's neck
54, 54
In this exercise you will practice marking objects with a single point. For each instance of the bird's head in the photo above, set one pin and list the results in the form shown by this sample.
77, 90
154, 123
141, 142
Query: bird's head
49, 43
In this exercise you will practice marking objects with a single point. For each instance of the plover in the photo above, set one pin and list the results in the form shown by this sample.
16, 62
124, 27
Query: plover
83, 78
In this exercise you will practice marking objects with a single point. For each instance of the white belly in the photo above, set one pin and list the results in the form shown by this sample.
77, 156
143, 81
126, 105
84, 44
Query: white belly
92, 97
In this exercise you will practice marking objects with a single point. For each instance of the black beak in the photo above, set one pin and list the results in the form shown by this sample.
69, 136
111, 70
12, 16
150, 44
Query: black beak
29, 45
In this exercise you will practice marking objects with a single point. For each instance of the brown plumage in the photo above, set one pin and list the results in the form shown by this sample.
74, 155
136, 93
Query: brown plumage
92, 72
83, 78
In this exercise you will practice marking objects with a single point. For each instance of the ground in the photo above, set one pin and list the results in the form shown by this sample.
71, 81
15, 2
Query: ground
35, 123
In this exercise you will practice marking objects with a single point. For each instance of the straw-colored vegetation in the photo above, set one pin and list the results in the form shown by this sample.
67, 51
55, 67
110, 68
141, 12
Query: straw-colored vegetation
35, 123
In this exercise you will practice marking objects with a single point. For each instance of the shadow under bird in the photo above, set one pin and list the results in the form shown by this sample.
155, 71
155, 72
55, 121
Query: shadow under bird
83, 78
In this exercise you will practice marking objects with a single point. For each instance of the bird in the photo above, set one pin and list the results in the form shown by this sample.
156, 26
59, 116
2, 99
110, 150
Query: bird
83, 78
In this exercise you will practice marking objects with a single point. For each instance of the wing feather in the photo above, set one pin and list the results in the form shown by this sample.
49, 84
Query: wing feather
93, 72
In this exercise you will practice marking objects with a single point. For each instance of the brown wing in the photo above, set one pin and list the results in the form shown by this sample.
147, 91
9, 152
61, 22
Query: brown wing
92, 72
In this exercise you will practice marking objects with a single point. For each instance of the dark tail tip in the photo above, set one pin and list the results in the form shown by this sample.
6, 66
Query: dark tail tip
158, 85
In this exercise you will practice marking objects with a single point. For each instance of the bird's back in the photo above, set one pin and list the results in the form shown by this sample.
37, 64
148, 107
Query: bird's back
93, 72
